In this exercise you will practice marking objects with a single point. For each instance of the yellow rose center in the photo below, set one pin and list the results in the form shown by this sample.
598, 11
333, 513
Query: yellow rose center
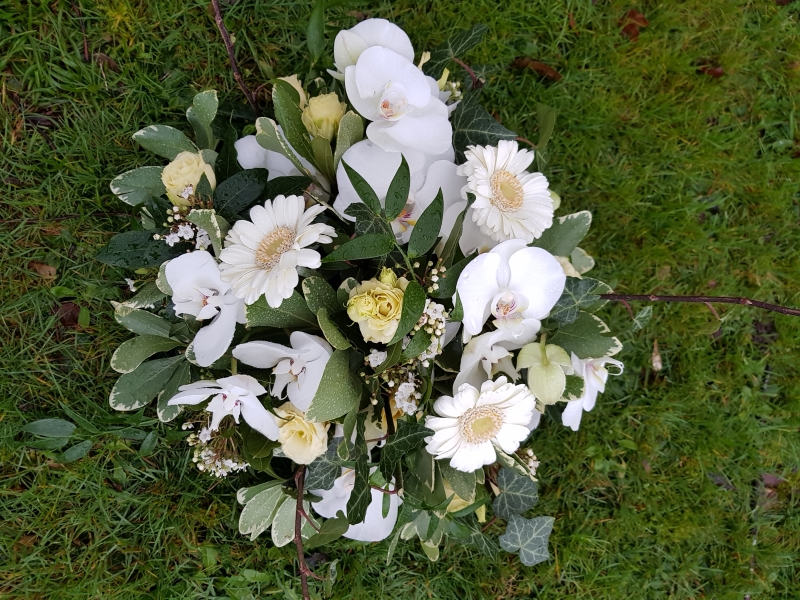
507, 194
478, 425
273, 246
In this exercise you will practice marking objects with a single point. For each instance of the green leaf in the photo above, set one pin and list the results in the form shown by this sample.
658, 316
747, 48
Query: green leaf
181, 376
546, 117
393, 355
320, 294
517, 494
130, 354
577, 295
448, 280
419, 343
268, 136
245, 495
455, 47
574, 388
457, 314
565, 233
397, 195
642, 318
587, 338
140, 322
137, 186
315, 32
227, 164
475, 538
293, 312
284, 521
286, 101
472, 125
203, 190
512, 462
343, 293
84, 317
76, 452
214, 225
164, 140
82, 422
331, 529
292, 185
372, 245
134, 390
462, 483
148, 295
55, 443
200, 114
137, 249
409, 438
361, 496
413, 305
426, 231
55, 428
323, 157
259, 512
451, 245
239, 192
367, 221
338, 393
149, 444
529, 537
582, 262
364, 190
331, 331
323, 472
351, 131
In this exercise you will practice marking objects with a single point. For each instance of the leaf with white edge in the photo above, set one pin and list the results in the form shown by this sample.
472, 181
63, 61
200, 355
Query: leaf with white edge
259, 512
372, 245
76, 452
323, 472
268, 136
339, 391
413, 305
55, 428
245, 495
131, 353
513, 462
293, 312
213, 224
331, 529
331, 331
343, 293
574, 389
455, 47
137, 249
351, 131
320, 294
240, 191
642, 318
426, 231
587, 338
419, 343
397, 195
517, 494
529, 537
137, 186
181, 376
148, 295
367, 221
164, 140
581, 261
462, 483
565, 233
363, 189
409, 438
134, 390
200, 114
473, 125
283, 523
323, 156
141, 322
161, 279
600, 288
361, 496
285, 100
578, 294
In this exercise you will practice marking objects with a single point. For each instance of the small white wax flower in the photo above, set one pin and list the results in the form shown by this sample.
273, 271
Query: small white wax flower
595, 375
185, 231
172, 239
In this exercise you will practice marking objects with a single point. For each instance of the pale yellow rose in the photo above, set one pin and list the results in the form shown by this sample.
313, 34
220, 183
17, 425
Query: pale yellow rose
322, 115
301, 440
457, 503
376, 306
293, 81
182, 175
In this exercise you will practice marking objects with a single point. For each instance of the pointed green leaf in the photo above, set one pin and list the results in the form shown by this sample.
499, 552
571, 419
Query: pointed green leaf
320, 294
55, 428
293, 312
338, 393
141, 322
426, 231
419, 343
529, 537
363, 189
361, 496
450, 246
372, 245
565, 233
268, 136
409, 438
292, 185
239, 192
323, 157
331, 331
131, 353
164, 140
287, 112
315, 32
367, 221
332, 529
137, 249
137, 186
448, 280
413, 305
227, 164
397, 195
351, 131
76, 452
546, 116
134, 390
393, 355
259, 512
455, 47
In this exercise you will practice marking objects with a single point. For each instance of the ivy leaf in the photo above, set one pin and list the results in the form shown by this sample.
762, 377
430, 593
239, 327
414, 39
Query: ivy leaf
517, 494
338, 393
134, 390
322, 473
472, 125
565, 233
363, 189
164, 140
227, 164
574, 388
397, 194
286, 101
409, 438
331, 529
361, 496
137, 249
587, 338
367, 221
529, 537
213, 224
455, 47
239, 192
641, 319
577, 294
351, 131
372, 245
320, 294
139, 185
413, 305
131, 353
426, 231
293, 312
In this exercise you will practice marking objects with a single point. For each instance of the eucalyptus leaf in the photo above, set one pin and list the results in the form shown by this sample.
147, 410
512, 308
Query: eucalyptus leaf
131, 353
164, 140
413, 306
134, 390
339, 391
293, 312
137, 186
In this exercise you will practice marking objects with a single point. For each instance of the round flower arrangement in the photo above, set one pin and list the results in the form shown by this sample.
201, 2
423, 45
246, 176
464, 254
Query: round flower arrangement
367, 302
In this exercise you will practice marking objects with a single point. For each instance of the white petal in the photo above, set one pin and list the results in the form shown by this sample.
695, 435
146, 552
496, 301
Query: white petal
571, 417
211, 342
263, 355
377, 66
537, 275
259, 418
350, 43
245, 382
375, 527
476, 287
250, 154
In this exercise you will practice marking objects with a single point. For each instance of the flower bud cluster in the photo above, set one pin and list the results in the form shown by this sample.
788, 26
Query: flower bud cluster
180, 229
433, 321
532, 462
213, 454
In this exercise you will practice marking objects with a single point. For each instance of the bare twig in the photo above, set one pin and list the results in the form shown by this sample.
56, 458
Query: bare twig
237, 75
476, 83
387, 410
785, 310
383, 490
488, 524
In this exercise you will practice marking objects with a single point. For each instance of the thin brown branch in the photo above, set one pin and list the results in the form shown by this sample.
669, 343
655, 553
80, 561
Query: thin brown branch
785, 310
526, 140
488, 524
383, 490
310, 521
476, 83
387, 410
380, 439
237, 75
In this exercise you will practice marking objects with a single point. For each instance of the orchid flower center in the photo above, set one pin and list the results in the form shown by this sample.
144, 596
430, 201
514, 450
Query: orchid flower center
273, 246
393, 103
480, 424
505, 307
404, 221
507, 193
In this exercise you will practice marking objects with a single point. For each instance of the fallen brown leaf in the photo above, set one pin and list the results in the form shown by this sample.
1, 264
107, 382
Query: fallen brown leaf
104, 60
44, 271
631, 23
67, 313
573, 24
538, 67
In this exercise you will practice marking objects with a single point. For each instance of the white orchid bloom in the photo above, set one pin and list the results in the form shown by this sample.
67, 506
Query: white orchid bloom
351, 43
595, 375
252, 155
375, 526
378, 167
400, 100
235, 395
484, 357
515, 284
298, 370
198, 290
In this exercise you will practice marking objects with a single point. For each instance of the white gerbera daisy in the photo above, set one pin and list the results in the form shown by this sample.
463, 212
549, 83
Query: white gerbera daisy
473, 421
261, 258
510, 203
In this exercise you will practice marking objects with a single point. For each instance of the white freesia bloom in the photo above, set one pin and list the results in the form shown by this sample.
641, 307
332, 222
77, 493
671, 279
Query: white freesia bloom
484, 357
298, 370
261, 258
198, 290
378, 167
510, 203
515, 284
233, 396
595, 375
301, 440
350, 43
375, 526
473, 421
400, 100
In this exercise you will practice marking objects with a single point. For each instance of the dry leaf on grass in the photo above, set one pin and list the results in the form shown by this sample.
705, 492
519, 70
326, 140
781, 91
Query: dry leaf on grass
44, 271
631, 24
538, 67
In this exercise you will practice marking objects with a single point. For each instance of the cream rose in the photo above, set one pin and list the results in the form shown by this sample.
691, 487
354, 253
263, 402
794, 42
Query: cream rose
322, 115
376, 305
301, 440
182, 175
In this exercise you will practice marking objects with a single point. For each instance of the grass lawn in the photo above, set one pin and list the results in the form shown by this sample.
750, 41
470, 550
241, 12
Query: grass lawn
682, 483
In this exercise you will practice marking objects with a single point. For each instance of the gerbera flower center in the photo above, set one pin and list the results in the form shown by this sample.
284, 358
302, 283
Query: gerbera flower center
273, 246
507, 194
480, 424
